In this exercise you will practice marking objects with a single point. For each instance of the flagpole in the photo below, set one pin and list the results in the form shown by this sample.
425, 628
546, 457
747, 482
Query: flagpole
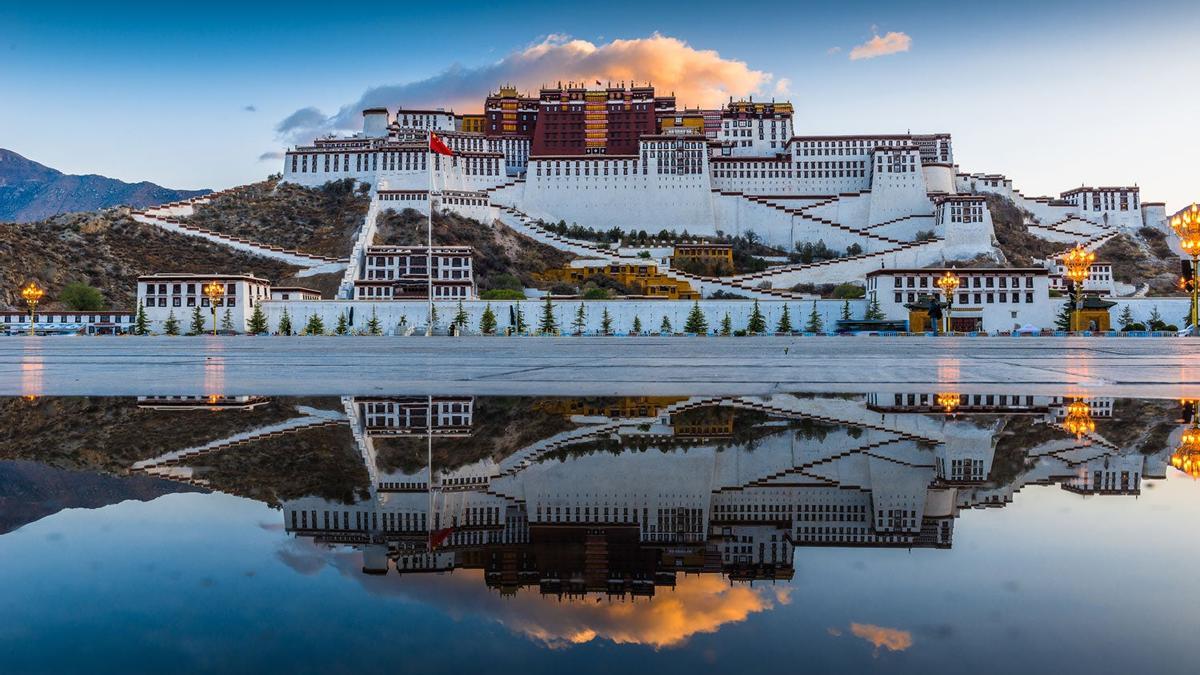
429, 239
429, 456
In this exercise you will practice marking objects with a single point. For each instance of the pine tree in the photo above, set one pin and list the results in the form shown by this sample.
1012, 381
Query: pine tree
487, 322
696, 323
1063, 320
343, 326
285, 323
258, 321
873, 313
757, 323
520, 326
1126, 317
726, 325
637, 325
460, 318
197, 325
373, 325
547, 325
314, 326
606, 325
845, 310
171, 327
1155, 322
141, 325
580, 321
227, 320
665, 326
785, 321
815, 323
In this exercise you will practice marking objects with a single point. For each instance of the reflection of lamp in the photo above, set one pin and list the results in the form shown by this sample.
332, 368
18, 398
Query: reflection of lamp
1079, 418
213, 399
1078, 262
1186, 225
31, 294
215, 291
949, 401
948, 283
1187, 457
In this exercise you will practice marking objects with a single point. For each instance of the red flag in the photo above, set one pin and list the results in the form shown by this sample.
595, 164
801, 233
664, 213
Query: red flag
438, 537
436, 145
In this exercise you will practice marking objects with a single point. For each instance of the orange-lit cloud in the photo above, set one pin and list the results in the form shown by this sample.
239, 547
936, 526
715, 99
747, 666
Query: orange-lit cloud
891, 639
698, 77
892, 43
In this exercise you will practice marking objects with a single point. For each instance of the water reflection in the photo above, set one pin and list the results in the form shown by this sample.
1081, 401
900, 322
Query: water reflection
641, 520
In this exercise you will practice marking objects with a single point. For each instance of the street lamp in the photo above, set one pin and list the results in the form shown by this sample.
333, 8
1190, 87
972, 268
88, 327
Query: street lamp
1187, 457
32, 293
948, 283
1078, 263
1186, 225
214, 290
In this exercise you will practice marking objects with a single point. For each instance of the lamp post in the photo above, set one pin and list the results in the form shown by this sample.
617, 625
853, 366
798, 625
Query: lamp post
1078, 262
1079, 418
1186, 225
948, 283
214, 290
32, 293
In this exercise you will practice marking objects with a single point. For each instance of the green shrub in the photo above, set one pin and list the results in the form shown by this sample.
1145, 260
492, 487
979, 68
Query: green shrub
81, 297
502, 294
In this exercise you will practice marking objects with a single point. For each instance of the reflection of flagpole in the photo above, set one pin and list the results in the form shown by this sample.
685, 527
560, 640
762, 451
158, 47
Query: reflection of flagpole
429, 457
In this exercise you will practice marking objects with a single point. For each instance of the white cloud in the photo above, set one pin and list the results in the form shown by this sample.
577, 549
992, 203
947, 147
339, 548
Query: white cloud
833, 50
698, 77
892, 43
270, 156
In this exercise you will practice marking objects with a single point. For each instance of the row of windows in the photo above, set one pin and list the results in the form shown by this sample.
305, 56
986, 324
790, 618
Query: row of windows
189, 301
70, 318
979, 298
968, 282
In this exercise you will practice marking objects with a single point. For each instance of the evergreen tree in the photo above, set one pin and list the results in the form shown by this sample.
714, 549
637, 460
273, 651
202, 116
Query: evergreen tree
637, 325
665, 326
285, 323
141, 324
873, 313
757, 323
845, 310
696, 323
171, 327
606, 326
227, 320
1156, 321
815, 323
547, 325
258, 321
580, 321
433, 317
726, 325
373, 325
343, 326
197, 325
460, 318
1063, 320
314, 326
520, 326
487, 322
785, 321
1126, 317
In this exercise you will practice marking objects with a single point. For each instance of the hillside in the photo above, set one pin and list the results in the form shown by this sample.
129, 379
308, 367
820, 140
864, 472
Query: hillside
321, 220
109, 250
30, 191
498, 249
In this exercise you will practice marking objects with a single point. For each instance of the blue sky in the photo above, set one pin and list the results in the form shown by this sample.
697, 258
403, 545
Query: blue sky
191, 95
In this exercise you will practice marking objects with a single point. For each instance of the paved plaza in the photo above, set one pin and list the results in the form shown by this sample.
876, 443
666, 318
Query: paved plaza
594, 366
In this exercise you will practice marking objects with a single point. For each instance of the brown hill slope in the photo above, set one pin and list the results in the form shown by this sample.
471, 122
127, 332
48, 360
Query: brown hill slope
320, 220
108, 250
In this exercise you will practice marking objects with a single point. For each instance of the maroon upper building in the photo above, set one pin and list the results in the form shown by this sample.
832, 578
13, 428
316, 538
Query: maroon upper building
578, 121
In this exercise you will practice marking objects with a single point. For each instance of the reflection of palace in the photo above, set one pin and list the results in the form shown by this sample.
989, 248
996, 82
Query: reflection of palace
627, 493
212, 402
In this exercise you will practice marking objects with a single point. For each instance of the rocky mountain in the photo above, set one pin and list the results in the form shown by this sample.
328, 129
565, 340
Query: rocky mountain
31, 191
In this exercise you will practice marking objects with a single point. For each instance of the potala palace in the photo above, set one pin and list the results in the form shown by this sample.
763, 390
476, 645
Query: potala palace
628, 158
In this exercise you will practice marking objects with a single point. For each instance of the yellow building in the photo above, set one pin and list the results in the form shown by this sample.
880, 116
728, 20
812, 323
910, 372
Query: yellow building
708, 254
644, 277
621, 408
472, 123
690, 122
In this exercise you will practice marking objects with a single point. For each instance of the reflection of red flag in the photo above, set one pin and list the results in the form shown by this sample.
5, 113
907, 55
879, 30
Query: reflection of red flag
439, 537
436, 145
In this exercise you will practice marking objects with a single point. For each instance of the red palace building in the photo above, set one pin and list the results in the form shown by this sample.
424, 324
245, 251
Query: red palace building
575, 120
